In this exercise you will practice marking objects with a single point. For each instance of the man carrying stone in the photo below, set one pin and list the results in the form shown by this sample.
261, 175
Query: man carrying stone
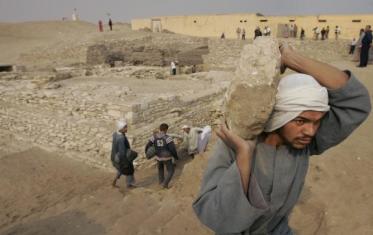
251, 188
165, 151
119, 159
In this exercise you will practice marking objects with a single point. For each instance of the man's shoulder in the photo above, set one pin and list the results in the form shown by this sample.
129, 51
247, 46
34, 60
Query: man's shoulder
168, 139
118, 136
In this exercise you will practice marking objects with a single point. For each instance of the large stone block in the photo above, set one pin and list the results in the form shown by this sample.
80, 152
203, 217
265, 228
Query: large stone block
251, 95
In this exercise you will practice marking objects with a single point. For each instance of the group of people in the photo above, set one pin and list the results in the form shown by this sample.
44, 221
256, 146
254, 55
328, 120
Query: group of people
290, 31
360, 48
161, 146
258, 32
324, 32
241, 33
101, 26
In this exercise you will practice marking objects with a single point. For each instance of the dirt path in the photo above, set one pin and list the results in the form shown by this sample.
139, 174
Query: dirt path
42, 193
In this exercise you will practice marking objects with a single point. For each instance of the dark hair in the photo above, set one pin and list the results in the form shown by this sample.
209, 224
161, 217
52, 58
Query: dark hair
163, 127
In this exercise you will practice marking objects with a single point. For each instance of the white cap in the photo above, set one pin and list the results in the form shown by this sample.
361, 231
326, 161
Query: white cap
185, 127
120, 124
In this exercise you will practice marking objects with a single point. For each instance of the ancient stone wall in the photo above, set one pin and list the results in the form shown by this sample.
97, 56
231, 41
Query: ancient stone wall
74, 123
150, 51
175, 111
224, 54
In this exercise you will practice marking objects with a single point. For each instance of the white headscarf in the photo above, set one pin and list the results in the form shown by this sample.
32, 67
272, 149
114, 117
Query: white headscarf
120, 124
296, 93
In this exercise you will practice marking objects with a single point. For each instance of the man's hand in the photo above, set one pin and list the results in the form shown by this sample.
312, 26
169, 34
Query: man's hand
285, 51
235, 142
244, 153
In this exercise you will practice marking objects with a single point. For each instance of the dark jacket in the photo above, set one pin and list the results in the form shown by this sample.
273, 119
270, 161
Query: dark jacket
120, 146
169, 148
367, 39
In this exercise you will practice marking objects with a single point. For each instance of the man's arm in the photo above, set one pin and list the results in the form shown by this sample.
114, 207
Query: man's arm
327, 75
172, 148
149, 144
122, 151
222, 204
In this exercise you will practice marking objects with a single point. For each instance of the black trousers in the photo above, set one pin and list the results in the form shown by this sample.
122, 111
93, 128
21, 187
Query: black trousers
364, 55
352, 49
170, 172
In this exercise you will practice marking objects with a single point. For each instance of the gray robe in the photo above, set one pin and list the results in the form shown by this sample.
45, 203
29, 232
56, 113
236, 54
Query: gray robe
277, 175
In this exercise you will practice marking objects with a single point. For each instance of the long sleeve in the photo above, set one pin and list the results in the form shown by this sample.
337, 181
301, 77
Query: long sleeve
172, 148
150, 143
349, 107
113, 147
222, 204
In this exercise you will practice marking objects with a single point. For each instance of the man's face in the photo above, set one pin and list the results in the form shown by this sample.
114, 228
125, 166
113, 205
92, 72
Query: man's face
124, 129
187, 130
367, 28
300, 131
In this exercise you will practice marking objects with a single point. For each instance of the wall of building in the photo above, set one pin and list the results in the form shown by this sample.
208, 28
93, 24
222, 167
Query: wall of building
215, 25
141, 23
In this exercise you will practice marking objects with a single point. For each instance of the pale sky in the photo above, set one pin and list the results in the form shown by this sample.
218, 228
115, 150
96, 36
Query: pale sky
125, 10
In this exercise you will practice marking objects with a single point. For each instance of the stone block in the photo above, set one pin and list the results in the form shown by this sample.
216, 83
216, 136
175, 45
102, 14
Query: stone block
115, 113
250, 98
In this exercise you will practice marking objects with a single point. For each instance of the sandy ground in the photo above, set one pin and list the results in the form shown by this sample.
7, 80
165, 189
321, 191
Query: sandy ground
42, 192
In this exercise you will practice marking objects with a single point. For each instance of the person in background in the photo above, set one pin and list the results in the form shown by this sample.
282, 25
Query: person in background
352, 46
173, 68
365, 46
165, 151
100, 26
110, 24
119, 159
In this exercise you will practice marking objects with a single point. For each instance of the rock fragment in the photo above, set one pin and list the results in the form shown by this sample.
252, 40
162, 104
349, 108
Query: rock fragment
251, 95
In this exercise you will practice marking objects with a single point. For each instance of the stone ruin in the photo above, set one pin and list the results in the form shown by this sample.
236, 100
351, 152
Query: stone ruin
148, 51
73, 109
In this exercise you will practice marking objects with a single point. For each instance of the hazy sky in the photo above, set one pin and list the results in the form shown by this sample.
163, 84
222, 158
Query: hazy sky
125, 10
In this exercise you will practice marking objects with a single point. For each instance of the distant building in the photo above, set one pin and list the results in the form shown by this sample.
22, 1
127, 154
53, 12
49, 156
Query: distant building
213, 25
